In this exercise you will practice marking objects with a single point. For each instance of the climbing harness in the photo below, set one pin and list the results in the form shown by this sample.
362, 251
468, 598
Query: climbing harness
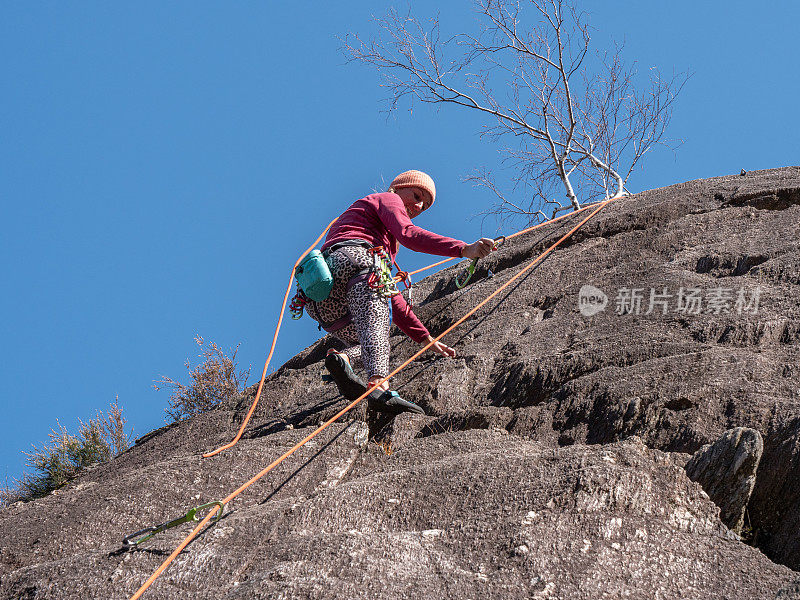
301, 298
134, 539
378, 275
463, 278
199, 527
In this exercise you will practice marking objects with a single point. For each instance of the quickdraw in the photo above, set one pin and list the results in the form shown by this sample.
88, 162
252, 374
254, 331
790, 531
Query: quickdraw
405, 277
298, 304
463, 278
189, 517
380, 279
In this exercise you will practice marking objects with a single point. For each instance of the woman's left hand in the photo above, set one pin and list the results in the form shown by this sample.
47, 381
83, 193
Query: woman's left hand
439, 347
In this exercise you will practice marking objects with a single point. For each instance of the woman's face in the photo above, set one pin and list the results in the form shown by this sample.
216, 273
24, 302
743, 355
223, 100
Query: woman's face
415, 200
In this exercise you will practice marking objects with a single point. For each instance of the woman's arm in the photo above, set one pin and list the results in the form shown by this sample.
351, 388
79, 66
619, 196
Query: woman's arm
406, 320
439, 347
393, 215
409, 323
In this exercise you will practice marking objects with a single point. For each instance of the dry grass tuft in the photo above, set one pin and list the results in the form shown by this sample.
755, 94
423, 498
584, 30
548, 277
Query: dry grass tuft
213, 381
385, 447
59, 460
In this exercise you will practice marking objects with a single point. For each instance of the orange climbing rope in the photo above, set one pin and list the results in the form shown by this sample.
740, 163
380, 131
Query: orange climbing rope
271, 349
508, 237
354, 403
403, 275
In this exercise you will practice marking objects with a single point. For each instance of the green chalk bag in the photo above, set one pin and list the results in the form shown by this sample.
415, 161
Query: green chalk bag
314, 276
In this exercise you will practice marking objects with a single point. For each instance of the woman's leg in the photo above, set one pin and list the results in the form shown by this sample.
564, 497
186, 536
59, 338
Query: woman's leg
370, 313
347, 352
367, 336
370, 323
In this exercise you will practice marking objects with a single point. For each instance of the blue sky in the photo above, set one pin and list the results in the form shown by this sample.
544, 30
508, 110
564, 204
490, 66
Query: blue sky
163, 164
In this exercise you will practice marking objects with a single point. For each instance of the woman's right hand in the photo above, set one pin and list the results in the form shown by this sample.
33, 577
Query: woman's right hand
478, 249
439, 347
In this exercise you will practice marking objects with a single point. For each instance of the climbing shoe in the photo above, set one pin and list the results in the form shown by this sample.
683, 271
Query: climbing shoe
391, 402
350, 385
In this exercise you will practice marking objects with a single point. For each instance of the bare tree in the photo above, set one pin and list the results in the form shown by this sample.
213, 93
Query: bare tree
574, 118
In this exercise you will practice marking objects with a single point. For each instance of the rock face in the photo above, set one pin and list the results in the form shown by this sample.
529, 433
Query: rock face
550, 464
790, 592
727, 471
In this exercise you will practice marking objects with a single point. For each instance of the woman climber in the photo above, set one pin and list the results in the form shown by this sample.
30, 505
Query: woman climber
360, 248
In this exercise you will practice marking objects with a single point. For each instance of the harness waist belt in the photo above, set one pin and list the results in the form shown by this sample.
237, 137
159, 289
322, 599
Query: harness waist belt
343, 244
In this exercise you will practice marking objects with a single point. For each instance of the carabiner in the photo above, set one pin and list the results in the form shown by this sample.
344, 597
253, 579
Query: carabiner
406, 279
189, 517
463, 278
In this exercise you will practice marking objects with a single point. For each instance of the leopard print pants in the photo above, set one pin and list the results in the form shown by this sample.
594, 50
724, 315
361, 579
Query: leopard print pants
367, 336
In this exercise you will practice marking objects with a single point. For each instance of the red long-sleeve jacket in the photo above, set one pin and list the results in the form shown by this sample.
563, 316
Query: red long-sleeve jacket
382, 220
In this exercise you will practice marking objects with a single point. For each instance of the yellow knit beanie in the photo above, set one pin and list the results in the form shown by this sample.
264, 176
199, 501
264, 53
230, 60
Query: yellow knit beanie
415, 179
